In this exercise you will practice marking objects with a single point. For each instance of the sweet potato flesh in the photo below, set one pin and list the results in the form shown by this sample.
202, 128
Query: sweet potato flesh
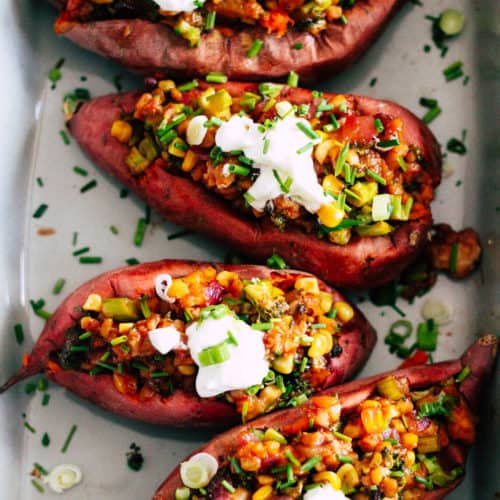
299, 319
357, 158
384, 448
277, 17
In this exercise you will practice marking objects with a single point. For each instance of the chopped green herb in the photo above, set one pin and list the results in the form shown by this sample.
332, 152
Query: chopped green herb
373, 82
58, 286
293, 79
113, 229
19, 333
431, 115
38, 486
30, 427
339, 164
344, 459
80, 171
30, 388
45, 399
453, 71
309, 132
123, 193
388, 144
132, 261
188, 86
39, 181
64, 137
90, 260
210, 20
276, 262
41, 469
305, 148
135, 459
456, 146
42, 384
45, 440
227, 486
262, 326
139, 232
40, 211
376, 177
464, 373
87, 187
216, 77
74, 239
379, 126
284, 185
297, 46
81, 251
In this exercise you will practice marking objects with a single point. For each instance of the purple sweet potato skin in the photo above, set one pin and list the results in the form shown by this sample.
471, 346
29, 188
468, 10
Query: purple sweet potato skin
154, 49
363, 263
181, 409
480, 358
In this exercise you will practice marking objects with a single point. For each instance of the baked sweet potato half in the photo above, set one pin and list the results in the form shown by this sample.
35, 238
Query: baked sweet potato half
401, 434
244, 39
194, 344
337, 185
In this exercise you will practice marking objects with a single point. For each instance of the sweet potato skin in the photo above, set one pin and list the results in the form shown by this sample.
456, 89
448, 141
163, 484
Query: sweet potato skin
363, 263
480, 358
180, 409
152, 48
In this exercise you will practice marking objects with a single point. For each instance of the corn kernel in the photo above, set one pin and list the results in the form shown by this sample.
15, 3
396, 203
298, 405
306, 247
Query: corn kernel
409, 440
398, 425
93, 303
322, 150
332, 184
322, 344
121, 130
166, 85
189, 161
125, 327
330, 215
264, 479
410, 458
345, 312
325, 301
328, 477
178, 289
225, 278
352, 157
373, 420
340, 237
284, 364
377, 475
177, 148
309, 285
186, 369
263, 493
338, 100
348, 476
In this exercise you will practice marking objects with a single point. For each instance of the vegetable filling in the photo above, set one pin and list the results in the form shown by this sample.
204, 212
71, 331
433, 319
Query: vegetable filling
321, 167
396, 444
191, 18
257, 344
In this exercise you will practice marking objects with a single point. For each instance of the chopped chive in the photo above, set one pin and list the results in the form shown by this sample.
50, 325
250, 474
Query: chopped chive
146, 312
79, 348
58, 286
453, 257
87, 187
132, 261
81, 251
284, 186
388, 144
267, 143
342, 436
113, 229
428, 103
30, 427
119, 368
456, 146
276, 262
210, 20
105, 365
179, 234
38, 486
305, 148
123, 193
139, 232
293, 79
30, 388
316, 326
95, 371
339, 164
125, 348
373, 82
19, 333
334, 121
90, 260
216, 77
297, 46
41, 469
343, 19
310, 463
376, 177
85, 335
159, 374
431, 115
453, 71
45, 399
402, 163
42, 384
39, 181
228, 486
262, 326
303, 364
140, 366
64, 136
238, 170
188, 86
80, 171
344, 459
66, 444
255, 48
464, 373
74, 239
45, 439
105, 356
40, 211
119, 340
379, 126
309, 132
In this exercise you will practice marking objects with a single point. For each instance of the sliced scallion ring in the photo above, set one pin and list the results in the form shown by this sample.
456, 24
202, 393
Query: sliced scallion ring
63, 477
198, 471
451, 22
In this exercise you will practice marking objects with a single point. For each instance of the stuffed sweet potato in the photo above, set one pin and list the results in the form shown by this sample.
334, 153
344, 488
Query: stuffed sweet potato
338, 185
401, 434
192, 344
249, 40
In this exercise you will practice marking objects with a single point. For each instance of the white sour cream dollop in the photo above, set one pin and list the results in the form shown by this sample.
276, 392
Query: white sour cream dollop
165, 339
276, 153
324, 492
246, 365
179, 5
